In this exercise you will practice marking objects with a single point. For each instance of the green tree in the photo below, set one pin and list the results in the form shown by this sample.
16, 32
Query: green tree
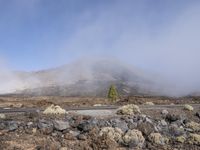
112, 94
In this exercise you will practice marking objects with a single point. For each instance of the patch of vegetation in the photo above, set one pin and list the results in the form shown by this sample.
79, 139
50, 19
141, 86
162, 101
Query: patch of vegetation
54, 110
188, 107
130, 109
113, 94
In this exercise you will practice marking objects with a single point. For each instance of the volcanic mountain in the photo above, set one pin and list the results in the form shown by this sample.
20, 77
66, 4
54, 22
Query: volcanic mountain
85, 78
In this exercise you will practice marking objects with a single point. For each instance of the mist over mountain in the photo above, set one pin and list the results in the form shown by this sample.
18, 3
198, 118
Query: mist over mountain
90, 77
85, 78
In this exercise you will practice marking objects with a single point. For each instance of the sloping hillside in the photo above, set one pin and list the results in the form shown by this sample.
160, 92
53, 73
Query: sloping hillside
86, 78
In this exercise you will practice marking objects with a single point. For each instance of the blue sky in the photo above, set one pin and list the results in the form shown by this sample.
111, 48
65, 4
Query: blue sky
40, 34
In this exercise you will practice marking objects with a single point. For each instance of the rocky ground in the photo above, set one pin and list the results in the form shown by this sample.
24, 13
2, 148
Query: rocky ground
154, 129
44, 101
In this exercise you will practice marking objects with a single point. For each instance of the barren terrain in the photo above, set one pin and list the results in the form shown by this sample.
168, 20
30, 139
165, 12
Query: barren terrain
164, 125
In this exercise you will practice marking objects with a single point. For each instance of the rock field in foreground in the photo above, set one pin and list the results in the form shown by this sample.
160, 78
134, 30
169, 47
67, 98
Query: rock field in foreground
34, 131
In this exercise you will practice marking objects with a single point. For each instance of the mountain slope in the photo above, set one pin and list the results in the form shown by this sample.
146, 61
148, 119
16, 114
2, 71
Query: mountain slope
85, 78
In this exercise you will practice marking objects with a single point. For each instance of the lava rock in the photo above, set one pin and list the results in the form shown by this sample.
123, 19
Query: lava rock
82, 137
163, 123
12, 125
88, 125
172, 117
198, 114
61, 125
2, 125
146, 128
74, 133
45, 126
175, 130
69, 136
121, 124
164, 112
132, 125
103, 123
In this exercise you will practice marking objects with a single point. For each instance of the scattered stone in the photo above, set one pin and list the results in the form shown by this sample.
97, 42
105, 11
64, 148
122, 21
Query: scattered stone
180, 139
121, 124
132, 125
45, 126
34, 130
12, 125
74, 133
198, 114
2, 116
194, 139
82, 137
134, 138
29, 123
175, 130
2, 125
19, 105
163, 123
113, 133
194, 126
172, 117
156, 138
164, 112
63, 148
97, 105
188, 107
146, 128
87, 125
130, 109
54, 110
61, 125
149, 103
69, 136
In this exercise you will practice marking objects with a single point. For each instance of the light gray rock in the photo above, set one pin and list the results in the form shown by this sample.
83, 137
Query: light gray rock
12, 125
61, 125
74, 133
175, 130
164, 112
121, 124
163, 123
2, 116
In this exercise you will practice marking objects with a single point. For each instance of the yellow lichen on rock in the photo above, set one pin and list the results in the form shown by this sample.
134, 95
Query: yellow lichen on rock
194, 139
193, 125
157, 138
54, 110
113, 133
130, 109
188, 107
2, 116
134, 136
180, 139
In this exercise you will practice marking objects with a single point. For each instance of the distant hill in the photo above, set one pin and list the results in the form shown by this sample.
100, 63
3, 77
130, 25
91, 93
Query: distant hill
85, 78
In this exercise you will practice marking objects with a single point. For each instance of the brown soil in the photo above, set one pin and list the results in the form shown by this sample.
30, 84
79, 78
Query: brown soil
44, 101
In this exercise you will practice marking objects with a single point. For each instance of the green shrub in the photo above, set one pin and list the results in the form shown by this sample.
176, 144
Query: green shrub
112, 94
